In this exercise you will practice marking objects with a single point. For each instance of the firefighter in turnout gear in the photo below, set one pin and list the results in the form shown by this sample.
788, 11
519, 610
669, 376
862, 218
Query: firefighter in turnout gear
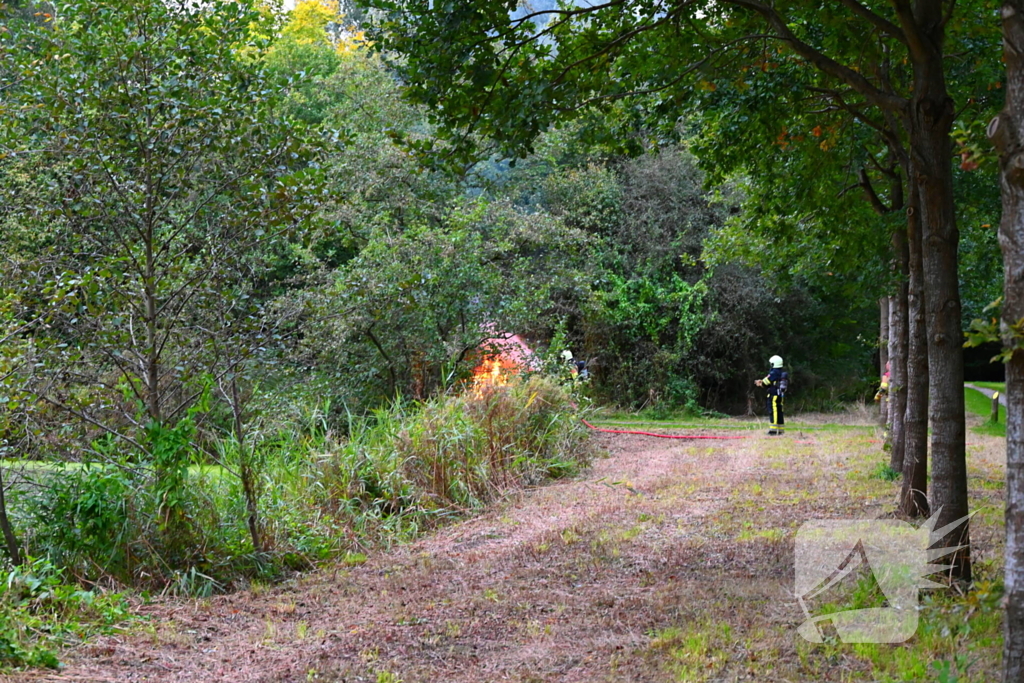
777, 382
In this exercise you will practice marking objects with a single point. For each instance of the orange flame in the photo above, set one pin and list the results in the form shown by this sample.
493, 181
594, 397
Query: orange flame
502, 358
489, 374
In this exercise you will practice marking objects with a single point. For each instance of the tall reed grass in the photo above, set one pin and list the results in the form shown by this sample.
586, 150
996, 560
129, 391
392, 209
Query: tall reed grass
460, 452
326, 491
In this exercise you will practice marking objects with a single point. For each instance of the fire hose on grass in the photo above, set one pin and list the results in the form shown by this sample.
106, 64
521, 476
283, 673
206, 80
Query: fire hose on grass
660, 436
515, 354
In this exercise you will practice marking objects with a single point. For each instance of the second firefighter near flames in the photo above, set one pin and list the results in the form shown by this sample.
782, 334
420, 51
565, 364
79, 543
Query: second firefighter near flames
776, 382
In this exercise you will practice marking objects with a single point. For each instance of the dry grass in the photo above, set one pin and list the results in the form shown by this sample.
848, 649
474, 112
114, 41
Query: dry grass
670, 560
855, 414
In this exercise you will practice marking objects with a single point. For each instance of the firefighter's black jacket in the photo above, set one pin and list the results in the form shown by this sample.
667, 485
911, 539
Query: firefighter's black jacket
771, 382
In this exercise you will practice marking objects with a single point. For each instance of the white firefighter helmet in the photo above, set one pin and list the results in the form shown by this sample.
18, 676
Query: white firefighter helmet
567, 355
776, 361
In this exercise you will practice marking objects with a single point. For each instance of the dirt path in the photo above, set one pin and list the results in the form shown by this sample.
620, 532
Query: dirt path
607, 578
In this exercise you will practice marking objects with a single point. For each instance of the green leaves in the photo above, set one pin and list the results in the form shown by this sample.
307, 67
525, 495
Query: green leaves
986, 331
170, 181
649, 309
415, 302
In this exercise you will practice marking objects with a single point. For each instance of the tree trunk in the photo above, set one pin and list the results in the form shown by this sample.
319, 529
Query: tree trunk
929, 120
150, 297
245, 470
1007, 133
5, 524
898, 338
913, 497
883, 356
940, 238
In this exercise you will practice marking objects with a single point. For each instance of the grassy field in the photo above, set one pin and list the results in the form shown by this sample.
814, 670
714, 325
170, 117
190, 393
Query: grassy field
976, 403
670, 560
855, 418
979, 404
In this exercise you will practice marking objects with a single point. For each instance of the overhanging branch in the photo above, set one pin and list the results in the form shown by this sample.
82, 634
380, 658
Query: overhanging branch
879, 22
819, 60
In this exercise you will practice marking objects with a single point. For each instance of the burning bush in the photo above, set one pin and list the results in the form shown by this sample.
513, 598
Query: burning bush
502, 358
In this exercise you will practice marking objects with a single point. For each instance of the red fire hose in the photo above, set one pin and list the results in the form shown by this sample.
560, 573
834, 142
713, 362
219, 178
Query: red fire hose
660, 436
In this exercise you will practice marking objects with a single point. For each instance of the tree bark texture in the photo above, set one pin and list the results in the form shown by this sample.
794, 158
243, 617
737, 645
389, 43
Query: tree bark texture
930, 119
945, 351
5, 524
883, 355
913, 497
898, 339
1007, 134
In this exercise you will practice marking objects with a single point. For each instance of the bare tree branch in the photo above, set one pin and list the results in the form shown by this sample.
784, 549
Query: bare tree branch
86, 418
869, 190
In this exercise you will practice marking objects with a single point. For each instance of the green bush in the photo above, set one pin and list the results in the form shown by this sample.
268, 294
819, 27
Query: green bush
323, 496
86, 518
40, 611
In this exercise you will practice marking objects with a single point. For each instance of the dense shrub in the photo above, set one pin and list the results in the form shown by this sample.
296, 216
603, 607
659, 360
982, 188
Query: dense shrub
398, 471
668, 322
40, 611
405, 316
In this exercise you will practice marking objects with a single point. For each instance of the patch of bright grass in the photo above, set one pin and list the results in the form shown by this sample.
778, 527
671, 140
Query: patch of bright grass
352, 559
698, 651
958, 638
765, 534
885, 472
997, 386
980, 404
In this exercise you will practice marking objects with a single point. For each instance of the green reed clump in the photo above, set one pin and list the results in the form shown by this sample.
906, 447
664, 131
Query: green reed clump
464, 450
322, 493
413, 463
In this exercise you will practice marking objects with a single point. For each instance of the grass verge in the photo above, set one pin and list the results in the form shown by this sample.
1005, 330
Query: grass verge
996, 386
40, 613
980, 404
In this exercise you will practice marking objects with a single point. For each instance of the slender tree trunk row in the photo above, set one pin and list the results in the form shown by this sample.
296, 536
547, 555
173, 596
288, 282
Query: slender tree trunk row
898, 338
883, 356
913, 496
1007, 134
